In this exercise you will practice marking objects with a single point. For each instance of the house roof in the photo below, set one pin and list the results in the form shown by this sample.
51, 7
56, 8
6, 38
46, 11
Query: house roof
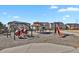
41, 22
72, 24
57, 23
17, 22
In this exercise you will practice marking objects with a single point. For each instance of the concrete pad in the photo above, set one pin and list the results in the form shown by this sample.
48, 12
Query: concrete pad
17, 49
75, 51
66, 32
38, 48
49, 48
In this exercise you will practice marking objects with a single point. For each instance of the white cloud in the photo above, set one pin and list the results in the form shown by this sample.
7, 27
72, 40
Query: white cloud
64, 18
4, 13
53, 7
67, 16
16, 17
68, 9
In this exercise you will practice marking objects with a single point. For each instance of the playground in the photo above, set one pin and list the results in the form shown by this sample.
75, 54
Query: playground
23, 37
70, 40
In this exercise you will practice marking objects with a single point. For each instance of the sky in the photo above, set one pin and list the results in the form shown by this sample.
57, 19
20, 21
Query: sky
41, 13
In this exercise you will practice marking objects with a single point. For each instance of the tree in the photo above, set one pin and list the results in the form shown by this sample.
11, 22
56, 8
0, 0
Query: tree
1, 25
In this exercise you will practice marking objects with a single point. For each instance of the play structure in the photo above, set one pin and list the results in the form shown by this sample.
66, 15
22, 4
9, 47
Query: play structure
21, 32
58, 31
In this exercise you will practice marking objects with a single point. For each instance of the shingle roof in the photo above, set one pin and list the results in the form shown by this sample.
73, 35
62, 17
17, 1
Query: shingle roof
17, 22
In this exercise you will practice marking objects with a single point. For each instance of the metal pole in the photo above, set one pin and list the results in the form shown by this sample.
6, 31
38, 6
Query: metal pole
7, 33
55, 28
14, 34
31, 31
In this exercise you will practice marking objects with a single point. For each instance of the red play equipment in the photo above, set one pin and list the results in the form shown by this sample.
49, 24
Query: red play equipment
21, 32
17, 32
58, 31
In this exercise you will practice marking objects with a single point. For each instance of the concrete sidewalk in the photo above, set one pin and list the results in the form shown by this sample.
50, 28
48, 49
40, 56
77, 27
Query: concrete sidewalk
76, 34
75, 51
39, 48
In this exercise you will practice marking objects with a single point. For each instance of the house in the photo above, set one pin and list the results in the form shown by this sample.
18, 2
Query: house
17, 24
40, 25
61, 25
45, 25
36, 26
73, 26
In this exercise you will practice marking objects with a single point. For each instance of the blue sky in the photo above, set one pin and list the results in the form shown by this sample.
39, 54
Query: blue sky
41, 13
